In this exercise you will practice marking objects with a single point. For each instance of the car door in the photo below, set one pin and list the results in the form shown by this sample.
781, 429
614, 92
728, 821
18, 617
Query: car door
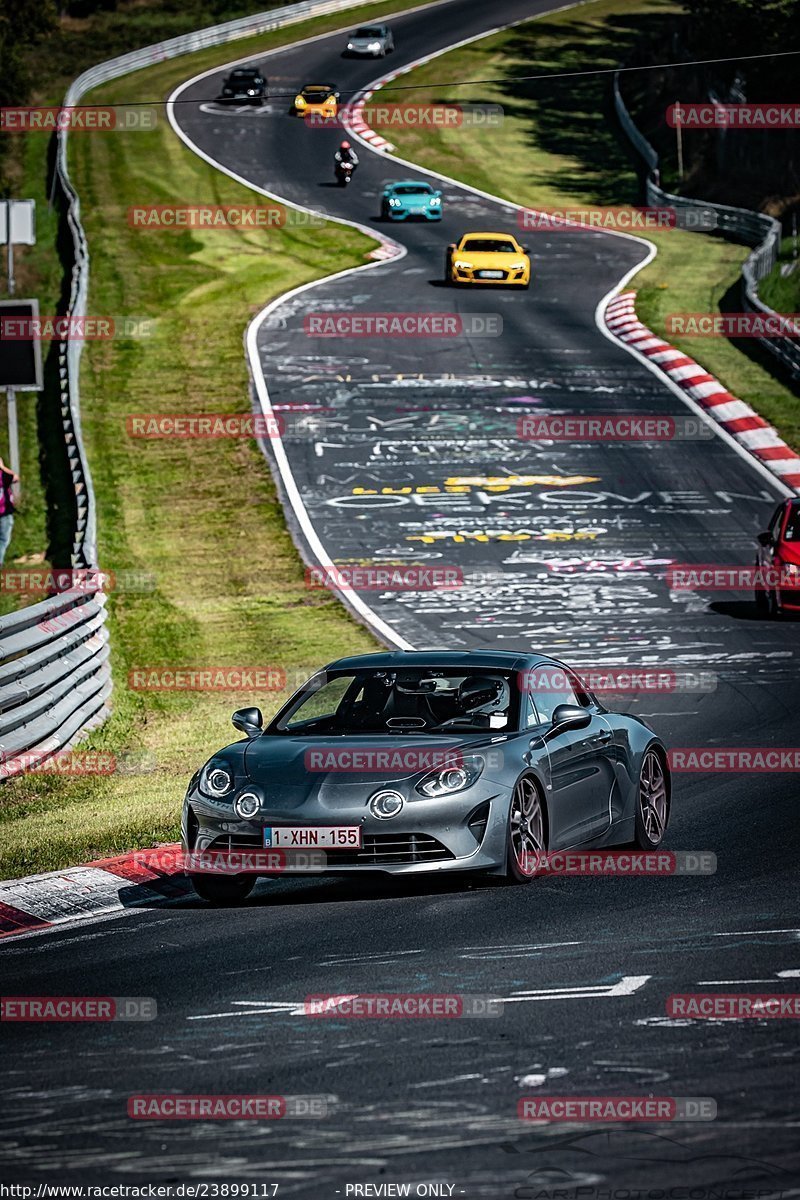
580, 762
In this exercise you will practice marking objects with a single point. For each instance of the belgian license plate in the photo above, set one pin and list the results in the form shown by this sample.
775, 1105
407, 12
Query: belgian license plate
491, 274
321, 837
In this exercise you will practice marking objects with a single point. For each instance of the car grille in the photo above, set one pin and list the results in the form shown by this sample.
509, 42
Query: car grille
378, 849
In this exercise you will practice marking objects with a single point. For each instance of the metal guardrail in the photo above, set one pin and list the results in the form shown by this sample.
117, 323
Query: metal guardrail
753, 228
55, 678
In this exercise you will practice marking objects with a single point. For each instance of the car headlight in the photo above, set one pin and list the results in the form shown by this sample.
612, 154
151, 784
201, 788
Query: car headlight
446, 781
434, 202
247, 805
350, 46
374, 46
516, 266
790, 571
299, 102
462, 265
216, 780
251, 91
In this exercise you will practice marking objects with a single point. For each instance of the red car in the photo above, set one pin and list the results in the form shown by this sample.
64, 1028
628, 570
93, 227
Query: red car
778, 557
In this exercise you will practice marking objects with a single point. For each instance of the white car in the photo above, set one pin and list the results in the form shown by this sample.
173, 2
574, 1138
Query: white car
370, 41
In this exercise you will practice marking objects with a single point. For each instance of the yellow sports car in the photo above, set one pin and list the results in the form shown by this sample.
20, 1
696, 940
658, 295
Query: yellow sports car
488, 258
319, 100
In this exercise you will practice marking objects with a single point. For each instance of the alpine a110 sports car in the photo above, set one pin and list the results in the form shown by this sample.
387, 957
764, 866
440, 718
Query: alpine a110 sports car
778, 562
245, 84
372, 41
490, 258
408, 761
317, 99
411, 199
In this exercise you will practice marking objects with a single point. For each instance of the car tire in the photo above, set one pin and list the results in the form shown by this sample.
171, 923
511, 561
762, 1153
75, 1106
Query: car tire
652, 801
528, 806
773, 607
761, 599
448, 270
225, 891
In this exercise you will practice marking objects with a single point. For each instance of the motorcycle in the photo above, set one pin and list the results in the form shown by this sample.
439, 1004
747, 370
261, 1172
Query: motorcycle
344, 172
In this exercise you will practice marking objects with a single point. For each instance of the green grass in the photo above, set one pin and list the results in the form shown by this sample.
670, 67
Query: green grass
559, 145
782, 291
202, 517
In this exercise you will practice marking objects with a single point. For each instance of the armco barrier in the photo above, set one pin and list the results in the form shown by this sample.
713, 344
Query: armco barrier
54, 677
753, 228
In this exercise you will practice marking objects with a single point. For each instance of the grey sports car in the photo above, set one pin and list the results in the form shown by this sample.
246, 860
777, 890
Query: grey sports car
419, 761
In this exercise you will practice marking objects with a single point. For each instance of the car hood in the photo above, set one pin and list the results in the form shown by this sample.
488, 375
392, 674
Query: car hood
365, 41
301, 767
410, 199
493, 259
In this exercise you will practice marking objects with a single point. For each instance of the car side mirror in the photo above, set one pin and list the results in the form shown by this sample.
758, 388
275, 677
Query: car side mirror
248, 721
570, 716
764, 539
526, 249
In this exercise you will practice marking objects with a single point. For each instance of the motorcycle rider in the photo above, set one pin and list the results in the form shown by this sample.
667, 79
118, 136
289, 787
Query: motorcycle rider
345, 154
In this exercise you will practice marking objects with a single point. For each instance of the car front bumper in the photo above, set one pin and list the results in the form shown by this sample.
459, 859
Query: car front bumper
465, 832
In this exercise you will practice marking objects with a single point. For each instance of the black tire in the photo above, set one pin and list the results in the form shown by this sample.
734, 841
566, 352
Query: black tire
448, 266
773, 608
223, 890
528, 800
652, 801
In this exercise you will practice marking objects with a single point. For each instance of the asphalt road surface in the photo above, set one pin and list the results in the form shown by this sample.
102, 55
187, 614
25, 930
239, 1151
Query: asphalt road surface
584, 966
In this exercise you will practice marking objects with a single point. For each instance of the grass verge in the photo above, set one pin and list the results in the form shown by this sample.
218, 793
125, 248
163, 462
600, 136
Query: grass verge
558, 146
202, 518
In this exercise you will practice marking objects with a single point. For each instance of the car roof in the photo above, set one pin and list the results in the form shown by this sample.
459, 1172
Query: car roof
470, 659
320, 86
409, 183
481, 234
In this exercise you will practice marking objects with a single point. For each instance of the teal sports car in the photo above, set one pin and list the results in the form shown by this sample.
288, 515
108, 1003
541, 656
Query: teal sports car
410, 198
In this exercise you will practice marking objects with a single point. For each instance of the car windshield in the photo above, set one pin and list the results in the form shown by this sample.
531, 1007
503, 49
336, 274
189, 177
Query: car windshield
243, 74
368, 33
490, 246
412, 189
792, 533
418, 701
317, 89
